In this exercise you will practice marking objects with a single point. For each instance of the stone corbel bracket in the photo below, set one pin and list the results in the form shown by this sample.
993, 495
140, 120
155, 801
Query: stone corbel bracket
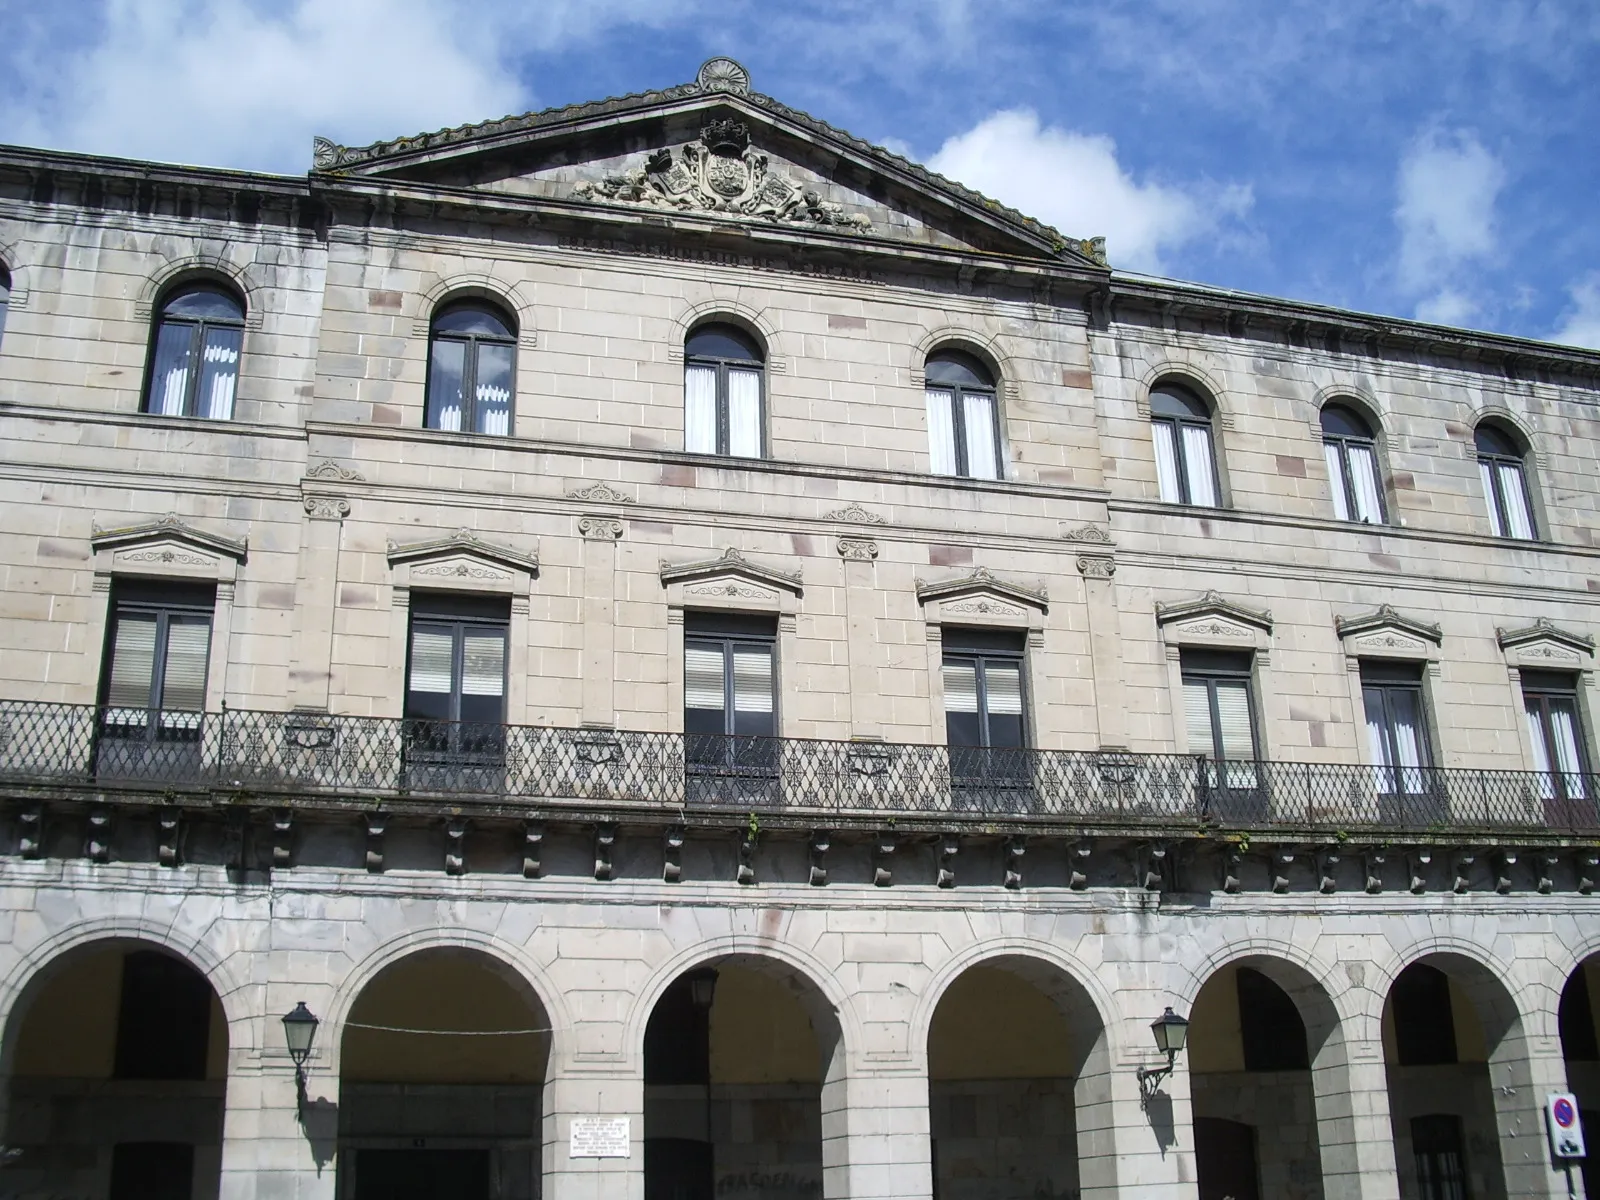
1327, 870
1016, 847
746, 870
532, 849
1280, 859
1418, 863
30, 831
883, 848
97, 845
1078, 864
1463, 871
455, 846
377, 826
1150, 866
672, 854
1505, 861
169, 837
949, 847
820, 841
282, 838
605, 843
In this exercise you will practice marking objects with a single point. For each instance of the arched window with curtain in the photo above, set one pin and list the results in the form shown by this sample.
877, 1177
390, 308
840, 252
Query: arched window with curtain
963, 423
194, 360
472, 369
1352, 455
722, 392
1505, 482
1180, 424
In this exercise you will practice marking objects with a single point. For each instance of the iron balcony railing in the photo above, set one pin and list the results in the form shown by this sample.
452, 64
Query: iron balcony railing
294, 754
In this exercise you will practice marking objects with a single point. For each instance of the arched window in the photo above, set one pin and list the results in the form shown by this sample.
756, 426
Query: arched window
472, 369
1505, 482
1180, 423
5, 298
194, 364
722, 392
1352, 454
963, 431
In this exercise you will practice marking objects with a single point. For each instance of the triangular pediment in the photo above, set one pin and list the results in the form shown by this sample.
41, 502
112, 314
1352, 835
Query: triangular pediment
1387, 630
1216, 616
462, 556
712, 151
982, 593
1547, 642
731, 575
171, 538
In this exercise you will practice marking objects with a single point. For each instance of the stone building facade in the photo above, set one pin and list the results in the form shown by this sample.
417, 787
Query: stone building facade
660, 611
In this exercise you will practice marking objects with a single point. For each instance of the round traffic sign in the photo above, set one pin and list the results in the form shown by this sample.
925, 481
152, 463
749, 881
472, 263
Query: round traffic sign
1564, 1113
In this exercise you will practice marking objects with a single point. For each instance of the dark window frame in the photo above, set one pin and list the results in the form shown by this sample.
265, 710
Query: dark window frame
723, 364
450, 737
1513, 456
727, 752
1187, 400
1342, 443
186, 603
958, 394
1211, 668
199, 328
1385, 678
979, 648
1436, 1140
5, 300
471, 343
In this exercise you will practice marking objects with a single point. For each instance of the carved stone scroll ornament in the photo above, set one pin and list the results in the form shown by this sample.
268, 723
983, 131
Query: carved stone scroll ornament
860, 549
600, 529
720, 172
600, 493
329, 469
854, 512
1097, 566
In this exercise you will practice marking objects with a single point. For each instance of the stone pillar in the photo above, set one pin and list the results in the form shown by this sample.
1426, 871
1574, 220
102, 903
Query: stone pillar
1524, 1069
1129, 1147
600, 536
1351, 1086
863, 603
592, 1091
266, 1149
1105, 645
875, 1138
315, 596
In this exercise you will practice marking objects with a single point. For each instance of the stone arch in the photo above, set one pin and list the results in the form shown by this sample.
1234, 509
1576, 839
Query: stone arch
821, 980
242, 278
982, 346
1517, 426
236, 993
21, 272
1353, 396
1092, 1051
1188, 375
446, 289
757, 323
528, 974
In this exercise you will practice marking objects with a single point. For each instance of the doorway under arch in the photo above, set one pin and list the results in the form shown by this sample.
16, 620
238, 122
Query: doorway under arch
441, 1080
117, 1066
1017, 1058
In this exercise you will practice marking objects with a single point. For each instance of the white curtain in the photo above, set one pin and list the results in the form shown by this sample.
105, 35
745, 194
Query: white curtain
941, 432
493, 389
1197, 460
1165, 438
1515, 494
744, 413
1555, 749
1394, 716
445, 384
982, 462
700, 413
169, 377
1364, 474
1335, 461
219, 374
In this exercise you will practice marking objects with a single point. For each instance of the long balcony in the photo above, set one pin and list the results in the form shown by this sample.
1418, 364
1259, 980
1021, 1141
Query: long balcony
315, 760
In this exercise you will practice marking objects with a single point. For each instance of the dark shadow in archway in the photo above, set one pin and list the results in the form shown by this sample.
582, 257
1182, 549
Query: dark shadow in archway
116, 1061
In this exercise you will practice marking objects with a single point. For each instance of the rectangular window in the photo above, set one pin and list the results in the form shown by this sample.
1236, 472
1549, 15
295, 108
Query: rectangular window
456, 674
1397, 732
1441, 1160
1219, 709
1507, 493
1353, 480
984, 707
1550, 700
963, 433
730, 691
154, 681
1185, 466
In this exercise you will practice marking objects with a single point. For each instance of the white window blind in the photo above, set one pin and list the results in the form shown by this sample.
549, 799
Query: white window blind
1165, 438
752, 680
432, 661
1197, 463
980, 434
483, 664
183, 683
1003, 688
960, 687
941, 431
133, 664
702, 678
700, 409
744, 413
1233, 716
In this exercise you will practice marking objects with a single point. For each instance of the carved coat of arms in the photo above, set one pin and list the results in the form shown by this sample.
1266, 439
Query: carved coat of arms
720, 172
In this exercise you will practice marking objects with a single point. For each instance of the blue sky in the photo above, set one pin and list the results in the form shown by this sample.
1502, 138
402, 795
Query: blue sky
1420, 158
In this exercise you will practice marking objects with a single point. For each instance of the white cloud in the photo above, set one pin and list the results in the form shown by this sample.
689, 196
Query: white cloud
1448, 185
1581, 325
1074, 182
238, 83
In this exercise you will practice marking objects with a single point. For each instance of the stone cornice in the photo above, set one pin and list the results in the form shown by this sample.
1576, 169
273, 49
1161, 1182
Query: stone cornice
463, 541
1213, 605
731, 562
1385, 617
1544, 630
980, 579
